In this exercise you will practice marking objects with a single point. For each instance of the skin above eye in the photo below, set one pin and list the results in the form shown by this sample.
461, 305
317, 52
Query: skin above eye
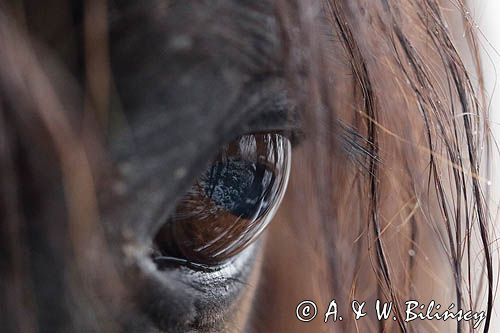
230, 204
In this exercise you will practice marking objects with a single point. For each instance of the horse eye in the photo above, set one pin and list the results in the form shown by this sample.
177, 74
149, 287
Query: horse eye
230, 204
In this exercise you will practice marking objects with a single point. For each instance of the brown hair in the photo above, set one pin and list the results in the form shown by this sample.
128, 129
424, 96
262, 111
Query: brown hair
404, 218
385, 200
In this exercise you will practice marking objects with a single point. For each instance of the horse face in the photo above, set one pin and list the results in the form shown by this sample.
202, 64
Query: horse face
191, 77
198, 115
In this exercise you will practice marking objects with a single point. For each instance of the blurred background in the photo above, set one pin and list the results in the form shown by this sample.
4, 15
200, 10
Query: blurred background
486, 14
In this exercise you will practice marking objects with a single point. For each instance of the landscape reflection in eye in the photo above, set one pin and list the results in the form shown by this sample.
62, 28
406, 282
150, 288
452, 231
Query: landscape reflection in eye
231, 202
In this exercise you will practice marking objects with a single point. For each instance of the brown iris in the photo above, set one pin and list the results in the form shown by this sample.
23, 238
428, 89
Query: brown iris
230, 204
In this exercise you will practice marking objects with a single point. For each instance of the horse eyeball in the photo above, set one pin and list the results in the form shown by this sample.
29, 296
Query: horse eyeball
230, 204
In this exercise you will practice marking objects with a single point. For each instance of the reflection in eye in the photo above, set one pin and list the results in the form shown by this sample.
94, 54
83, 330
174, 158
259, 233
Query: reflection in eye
231, 202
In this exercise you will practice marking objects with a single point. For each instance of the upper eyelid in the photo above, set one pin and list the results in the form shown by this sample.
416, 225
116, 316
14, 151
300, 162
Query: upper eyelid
281, 116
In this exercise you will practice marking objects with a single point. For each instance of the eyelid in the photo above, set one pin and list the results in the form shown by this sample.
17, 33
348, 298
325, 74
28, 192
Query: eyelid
278, 113
285, 121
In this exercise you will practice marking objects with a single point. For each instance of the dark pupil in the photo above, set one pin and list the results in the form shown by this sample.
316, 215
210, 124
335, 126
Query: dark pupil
238, 187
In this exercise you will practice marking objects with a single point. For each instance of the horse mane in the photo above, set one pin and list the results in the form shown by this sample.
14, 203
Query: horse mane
386, 198
406, 217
